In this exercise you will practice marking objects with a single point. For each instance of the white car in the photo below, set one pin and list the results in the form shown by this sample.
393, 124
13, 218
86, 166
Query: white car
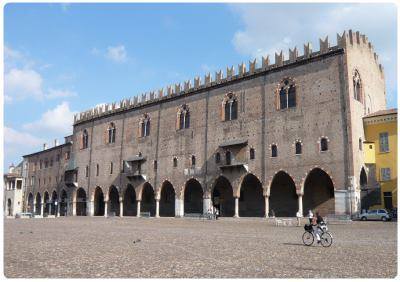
380, 214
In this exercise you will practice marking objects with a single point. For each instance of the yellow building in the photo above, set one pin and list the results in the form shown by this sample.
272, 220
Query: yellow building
380, 152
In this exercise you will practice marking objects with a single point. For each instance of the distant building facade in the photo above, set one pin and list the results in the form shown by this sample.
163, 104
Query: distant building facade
381, 160
280, 137
13, 190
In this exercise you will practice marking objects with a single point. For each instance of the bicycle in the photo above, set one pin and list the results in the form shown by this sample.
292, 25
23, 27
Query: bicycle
326, 237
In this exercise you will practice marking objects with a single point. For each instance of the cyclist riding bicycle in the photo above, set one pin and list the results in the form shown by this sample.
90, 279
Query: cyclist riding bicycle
316, 222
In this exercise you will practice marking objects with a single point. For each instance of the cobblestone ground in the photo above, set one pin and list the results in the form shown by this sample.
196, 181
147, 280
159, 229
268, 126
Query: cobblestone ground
167, 247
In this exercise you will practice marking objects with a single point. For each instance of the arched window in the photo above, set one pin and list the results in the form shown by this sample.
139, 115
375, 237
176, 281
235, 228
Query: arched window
97, 169
111, 168
111, 133
324, 144
252, 154
228, 157
175, 162
230, 107
357, 86
183, 117
286, 94
217, 158
298, 147
360, 144
87, 171
155, 165
85, 139
274, 151
193, 160
145, 126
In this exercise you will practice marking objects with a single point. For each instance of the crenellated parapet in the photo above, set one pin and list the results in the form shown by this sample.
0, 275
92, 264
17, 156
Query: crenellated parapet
348, 39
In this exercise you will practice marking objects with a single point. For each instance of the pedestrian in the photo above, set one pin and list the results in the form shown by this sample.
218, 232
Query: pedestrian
310, 216
272, 213
298, 215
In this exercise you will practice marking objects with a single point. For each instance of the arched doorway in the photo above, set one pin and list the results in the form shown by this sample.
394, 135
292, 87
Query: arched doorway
148, 203
46, 203
81, 202
251, 201
64, 203
9, 207
167, 199
53, 203
38, 204
98, 202
30, 203
283, 200
363, 179
193, 197
113, 197
222, 197
319, 193
130, 206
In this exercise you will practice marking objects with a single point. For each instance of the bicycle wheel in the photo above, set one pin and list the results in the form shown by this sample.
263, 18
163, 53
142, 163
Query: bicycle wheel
308, 238
326, 239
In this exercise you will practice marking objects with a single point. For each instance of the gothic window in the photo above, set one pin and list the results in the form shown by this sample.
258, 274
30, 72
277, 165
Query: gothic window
111, 133
324, 144
145, 126
85, 139
175, 162
193, 160
298, 147
286, 94
97, 169
111, 168
228, 157
183, 117
155, 165
217, 158
357, 86
252, 154
87, 171
274, 151
229, 107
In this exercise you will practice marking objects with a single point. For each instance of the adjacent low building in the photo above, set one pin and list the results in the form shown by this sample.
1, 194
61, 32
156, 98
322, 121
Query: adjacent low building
13, 190
381, 160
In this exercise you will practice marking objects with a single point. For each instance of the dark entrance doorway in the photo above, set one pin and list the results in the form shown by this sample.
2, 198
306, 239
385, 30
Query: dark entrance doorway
46, 203
130, 206
167, 200
81, 202
98, 202
30, 203
53, 203
222, 197
251, 201
283, 200
193, 197
113, 197
148, 203
38, 204
319, 193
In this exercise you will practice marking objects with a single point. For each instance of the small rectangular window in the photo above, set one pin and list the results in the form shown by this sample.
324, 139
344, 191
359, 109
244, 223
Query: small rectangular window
385, 174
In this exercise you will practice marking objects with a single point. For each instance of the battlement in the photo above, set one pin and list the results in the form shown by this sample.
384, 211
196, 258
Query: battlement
348, 39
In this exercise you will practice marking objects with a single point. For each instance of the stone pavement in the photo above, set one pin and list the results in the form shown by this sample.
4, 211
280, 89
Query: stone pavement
78, 247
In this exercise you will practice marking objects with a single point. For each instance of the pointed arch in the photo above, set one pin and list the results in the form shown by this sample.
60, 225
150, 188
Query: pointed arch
130, 204
38, 203
46, 203
30, 203
113, 201
283, 199
193, 197
80, 202
251, 200
148, 201
167, 199
98, 202
222, 197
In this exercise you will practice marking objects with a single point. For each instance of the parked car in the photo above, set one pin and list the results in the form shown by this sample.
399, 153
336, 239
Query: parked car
380, 214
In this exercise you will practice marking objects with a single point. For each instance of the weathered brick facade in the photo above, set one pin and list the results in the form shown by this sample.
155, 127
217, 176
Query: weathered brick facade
325, 107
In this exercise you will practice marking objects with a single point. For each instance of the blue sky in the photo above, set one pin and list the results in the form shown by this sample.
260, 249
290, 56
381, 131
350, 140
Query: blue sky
60, 59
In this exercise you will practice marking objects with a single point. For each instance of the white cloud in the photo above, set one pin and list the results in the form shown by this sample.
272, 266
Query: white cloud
23, 83
58, 93
57, 121
269, 28
14, 137
117, 54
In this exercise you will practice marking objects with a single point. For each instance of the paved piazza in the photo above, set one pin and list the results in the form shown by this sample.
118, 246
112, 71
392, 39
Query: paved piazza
168, 247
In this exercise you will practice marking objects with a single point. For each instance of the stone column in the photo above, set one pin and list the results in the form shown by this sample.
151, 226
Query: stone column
267, 206
300, 199
178, 206
74, 208
105, 208
236, 207
121, 207
157, 207
138, 209
34, 208
41, 208
90, 208
206, 204
57, 207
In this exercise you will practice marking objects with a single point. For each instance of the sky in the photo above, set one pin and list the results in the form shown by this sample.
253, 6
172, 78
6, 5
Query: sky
61, 59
